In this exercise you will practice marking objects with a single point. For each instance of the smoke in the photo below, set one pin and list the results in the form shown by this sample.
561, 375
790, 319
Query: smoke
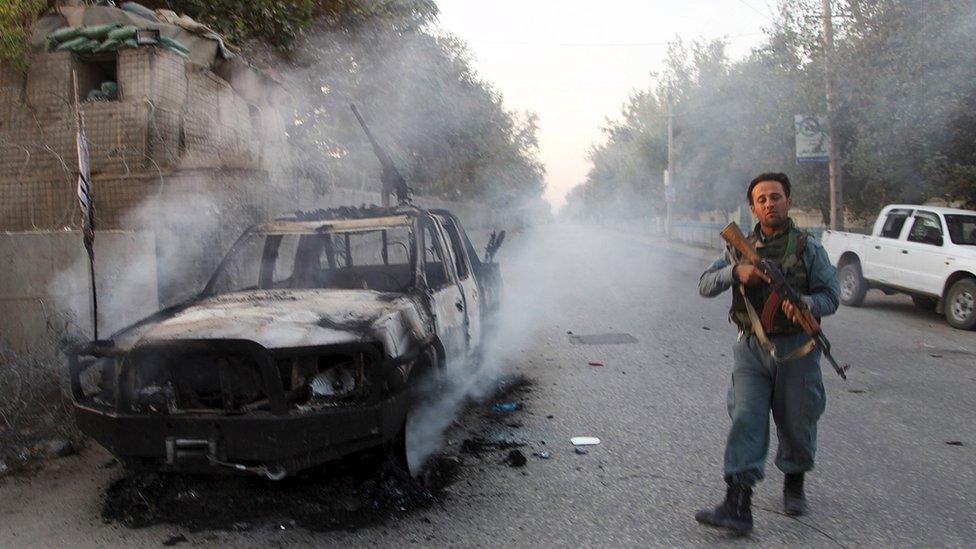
902, 99
525, 301
446, 130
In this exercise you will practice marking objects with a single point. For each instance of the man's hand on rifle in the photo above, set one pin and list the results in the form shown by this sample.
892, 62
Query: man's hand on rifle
750, 275
791, 312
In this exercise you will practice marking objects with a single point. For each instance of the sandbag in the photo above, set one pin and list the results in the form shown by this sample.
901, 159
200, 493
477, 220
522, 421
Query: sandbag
108, 45
122, 33
110, 89
64, 34
96, 95
98, 32
130, 43
88, 46
70, 45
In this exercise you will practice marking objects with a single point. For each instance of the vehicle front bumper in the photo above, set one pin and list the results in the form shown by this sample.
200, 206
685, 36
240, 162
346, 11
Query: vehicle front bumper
216, 443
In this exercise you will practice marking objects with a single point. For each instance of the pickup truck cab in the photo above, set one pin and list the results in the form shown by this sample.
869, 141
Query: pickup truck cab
926, 252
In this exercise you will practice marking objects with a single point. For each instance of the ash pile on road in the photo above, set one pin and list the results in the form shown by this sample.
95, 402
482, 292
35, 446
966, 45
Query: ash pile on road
340, 496
342, 499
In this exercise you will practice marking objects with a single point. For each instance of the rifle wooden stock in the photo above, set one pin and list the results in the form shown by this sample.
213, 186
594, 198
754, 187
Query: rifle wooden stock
733, 235
781, 289
807, 320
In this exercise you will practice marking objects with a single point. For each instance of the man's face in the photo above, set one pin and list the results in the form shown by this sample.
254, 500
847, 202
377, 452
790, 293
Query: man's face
770, 204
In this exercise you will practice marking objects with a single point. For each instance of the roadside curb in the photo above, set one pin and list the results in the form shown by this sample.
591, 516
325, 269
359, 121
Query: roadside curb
681, 248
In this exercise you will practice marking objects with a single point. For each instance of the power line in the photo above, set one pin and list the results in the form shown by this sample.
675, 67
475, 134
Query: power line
768, 18
594, 44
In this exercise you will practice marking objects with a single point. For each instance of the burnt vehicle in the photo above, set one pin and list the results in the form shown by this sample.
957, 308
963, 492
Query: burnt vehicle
308, 344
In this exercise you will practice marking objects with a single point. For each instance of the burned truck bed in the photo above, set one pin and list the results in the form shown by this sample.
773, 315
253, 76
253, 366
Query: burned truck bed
308, 344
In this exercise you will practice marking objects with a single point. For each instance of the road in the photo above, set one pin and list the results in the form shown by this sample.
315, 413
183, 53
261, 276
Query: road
885, 474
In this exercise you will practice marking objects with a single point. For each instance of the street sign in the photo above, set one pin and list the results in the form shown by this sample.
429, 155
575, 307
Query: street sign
812, 145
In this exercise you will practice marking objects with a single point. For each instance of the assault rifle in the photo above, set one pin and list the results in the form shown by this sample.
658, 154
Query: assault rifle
393, 182
782, 291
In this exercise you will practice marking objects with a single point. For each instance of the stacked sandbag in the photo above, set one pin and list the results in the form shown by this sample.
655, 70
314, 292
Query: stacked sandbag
104, 38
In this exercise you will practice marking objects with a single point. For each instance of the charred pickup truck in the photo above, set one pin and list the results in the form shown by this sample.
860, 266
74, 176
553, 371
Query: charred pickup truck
304, 347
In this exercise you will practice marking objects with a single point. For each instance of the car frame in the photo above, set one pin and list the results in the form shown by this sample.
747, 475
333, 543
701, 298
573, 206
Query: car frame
210, 385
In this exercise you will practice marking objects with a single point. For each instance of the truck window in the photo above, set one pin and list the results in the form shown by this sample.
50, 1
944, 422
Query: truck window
433, 259
962, 229
459, 265
373, 259
926, 229
894, 223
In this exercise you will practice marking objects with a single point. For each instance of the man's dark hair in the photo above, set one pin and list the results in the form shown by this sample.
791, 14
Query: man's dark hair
771, 176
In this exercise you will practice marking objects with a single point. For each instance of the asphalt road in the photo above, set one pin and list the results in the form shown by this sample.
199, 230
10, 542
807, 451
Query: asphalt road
885, 474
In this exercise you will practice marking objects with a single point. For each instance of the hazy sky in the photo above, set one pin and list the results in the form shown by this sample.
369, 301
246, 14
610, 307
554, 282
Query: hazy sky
574, 63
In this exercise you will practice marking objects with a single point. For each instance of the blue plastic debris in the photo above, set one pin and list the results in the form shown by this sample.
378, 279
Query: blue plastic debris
506, 407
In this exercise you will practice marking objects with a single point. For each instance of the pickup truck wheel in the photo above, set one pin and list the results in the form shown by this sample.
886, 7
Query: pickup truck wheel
418, 436
853, 287
923, 303
960, 304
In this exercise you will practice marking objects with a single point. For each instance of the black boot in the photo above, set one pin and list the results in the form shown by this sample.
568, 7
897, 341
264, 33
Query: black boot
794, 501
734, 514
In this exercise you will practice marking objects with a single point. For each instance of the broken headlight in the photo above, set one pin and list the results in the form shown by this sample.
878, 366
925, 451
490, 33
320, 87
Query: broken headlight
94, 379
328, 379
336, 381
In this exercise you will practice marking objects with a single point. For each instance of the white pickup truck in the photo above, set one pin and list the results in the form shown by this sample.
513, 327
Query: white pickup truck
926, 252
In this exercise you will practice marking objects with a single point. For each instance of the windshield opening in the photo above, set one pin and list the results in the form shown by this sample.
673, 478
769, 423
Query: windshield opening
962, 229
371, 259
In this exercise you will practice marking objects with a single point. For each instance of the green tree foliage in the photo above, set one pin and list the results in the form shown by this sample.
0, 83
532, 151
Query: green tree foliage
16, 18
446, 129
905, 81
281, 22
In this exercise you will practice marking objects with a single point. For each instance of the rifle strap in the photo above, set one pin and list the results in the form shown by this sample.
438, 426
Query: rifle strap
764, 342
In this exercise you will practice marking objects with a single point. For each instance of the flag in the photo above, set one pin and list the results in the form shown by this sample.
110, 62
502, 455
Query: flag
84, 190
86, 201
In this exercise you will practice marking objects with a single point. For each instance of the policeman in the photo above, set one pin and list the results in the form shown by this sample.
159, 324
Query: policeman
790, 386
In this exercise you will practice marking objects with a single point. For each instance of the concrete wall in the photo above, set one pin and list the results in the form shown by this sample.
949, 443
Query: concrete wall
45, 289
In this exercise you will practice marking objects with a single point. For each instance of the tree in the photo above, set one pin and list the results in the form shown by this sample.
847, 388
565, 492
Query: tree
904, 118
446, 128
16, 18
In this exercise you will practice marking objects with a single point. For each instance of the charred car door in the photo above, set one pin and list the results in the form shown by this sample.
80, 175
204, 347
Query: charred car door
446, 299
470, 292
487, 275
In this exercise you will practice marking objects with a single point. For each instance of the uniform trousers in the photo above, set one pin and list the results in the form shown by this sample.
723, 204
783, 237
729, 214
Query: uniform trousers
791, 391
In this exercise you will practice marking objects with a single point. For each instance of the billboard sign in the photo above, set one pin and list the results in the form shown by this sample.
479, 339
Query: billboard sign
811, 139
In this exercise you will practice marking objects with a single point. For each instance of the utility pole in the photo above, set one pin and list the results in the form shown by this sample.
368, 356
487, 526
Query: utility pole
669, 173
833, 167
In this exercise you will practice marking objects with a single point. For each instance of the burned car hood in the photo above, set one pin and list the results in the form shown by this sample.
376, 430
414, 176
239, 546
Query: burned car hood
279, 319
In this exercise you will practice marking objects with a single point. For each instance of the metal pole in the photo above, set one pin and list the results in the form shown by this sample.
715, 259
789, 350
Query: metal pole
87, 222
833, 167
669, 179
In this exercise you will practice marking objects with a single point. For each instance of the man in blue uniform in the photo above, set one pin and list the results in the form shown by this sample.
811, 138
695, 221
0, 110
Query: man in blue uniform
791, 387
